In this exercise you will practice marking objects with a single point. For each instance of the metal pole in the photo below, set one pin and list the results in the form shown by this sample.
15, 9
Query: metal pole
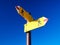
28, 40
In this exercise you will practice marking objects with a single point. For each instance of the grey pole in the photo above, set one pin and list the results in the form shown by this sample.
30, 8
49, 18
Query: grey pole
28, 38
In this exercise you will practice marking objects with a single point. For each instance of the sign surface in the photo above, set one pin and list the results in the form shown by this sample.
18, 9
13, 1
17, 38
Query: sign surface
35, 24
26, 15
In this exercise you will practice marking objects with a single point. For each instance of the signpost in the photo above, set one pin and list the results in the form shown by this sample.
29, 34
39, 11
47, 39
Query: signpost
31, 23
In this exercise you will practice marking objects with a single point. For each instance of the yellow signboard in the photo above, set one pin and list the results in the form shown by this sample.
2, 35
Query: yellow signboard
26, 15
35, 24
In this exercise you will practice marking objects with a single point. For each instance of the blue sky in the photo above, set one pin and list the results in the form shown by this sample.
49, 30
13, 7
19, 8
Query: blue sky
12, 24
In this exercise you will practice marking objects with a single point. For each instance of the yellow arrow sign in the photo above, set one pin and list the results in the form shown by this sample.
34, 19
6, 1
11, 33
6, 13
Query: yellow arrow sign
26, 15
35, 24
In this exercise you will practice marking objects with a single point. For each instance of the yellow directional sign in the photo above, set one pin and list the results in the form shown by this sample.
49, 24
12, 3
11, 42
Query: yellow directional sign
35, 24
24, 14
